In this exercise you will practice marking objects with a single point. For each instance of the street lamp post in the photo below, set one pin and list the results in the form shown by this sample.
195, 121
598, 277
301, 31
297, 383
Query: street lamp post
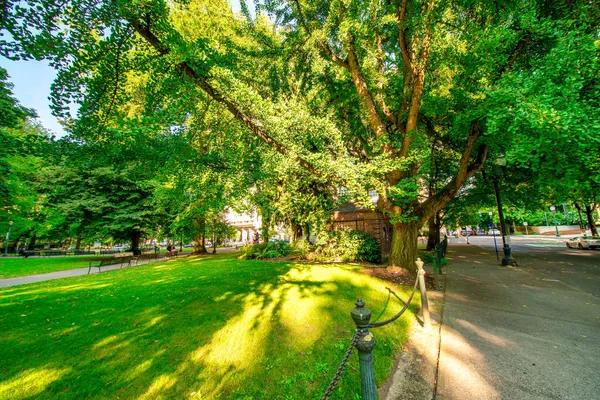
10, 224
553, 209
494, 235
507, 258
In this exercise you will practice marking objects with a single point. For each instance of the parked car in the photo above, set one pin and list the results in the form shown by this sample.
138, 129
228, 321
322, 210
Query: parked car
494, 231
584, 242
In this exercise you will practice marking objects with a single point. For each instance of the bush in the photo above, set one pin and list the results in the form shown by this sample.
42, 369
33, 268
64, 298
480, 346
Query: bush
301, 248
427, 258
347, 246
260, 251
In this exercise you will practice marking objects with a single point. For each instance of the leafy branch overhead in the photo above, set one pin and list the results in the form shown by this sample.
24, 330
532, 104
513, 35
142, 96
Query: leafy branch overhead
358, 94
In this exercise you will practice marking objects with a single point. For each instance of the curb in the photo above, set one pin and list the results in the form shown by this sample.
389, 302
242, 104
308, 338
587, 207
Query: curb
414, 375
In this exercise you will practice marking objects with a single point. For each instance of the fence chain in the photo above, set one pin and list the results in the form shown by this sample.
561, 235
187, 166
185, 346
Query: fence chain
338, 374
399, 314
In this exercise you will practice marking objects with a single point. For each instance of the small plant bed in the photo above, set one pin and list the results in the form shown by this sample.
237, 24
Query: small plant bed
195, 327
14, 267
337, 246
403, 277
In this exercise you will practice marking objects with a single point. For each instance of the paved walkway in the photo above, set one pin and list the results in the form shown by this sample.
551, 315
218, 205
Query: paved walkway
22, 280
515, 333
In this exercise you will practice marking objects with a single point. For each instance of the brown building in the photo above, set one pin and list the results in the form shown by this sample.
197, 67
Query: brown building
351, 216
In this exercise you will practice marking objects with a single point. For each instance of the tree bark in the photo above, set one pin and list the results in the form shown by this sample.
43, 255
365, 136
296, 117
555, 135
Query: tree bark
589, 213
296, 233
135, 242
266, 224
403, 252
200, 238
78, 243
31, 245
434, 231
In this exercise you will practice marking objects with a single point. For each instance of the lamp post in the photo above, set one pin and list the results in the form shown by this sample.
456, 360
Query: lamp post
494, 234
553, 209
507, 258
10, 224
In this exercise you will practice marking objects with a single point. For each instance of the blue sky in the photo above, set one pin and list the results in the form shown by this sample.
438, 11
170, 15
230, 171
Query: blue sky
32, 80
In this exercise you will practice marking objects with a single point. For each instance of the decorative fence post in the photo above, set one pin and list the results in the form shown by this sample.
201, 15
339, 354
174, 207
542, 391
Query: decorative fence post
365, 345
424, 303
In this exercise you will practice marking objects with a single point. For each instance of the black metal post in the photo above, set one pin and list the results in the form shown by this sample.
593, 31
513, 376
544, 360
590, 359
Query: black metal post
507, 258
365, 345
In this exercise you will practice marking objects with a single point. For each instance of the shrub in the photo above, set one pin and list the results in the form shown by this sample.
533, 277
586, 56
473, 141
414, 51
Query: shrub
301, 248
427, 258
271, 254
347, 246
266, 250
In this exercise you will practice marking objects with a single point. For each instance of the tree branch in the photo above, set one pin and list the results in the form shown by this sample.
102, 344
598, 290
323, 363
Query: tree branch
465, 170
400, 14
391, 117
364, 94
252, 123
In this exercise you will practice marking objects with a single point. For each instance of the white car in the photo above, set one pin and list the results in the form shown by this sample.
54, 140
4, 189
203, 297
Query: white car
584, 242
494, 232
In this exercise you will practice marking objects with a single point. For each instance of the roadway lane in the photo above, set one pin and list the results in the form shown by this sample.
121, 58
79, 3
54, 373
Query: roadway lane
550, 259
520, 333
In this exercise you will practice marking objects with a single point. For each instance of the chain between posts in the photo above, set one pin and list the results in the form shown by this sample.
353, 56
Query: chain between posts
338, 374
359, 332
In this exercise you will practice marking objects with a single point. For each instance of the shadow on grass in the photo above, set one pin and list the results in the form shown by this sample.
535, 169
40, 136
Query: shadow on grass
207, 327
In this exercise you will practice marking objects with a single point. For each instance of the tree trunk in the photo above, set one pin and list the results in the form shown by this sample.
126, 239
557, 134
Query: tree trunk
200, 238
404, 253
214, 243
31, 245
78, 243
296, 233
135, 242
589, 213
434, 231
266, 224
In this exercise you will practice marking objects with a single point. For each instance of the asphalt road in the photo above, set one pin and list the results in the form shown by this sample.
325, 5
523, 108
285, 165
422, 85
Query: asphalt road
525, 332
550, 258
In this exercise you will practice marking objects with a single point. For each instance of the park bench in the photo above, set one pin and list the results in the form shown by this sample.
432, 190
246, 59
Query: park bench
121, 258
146, 255
50, 253
83, 252
105, 252
172, 253
29, 253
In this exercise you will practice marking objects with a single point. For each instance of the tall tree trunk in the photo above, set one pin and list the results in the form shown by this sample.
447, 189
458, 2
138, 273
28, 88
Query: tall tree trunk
403, 252
15, 246
31, 245
200, 237
434, 231
306, 232
214, 243
78, 243
578, 208
135, 242
296, 233
266, 225
589, 213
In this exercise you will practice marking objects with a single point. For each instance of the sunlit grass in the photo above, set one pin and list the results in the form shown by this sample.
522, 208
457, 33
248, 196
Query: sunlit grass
206, 327
11, 267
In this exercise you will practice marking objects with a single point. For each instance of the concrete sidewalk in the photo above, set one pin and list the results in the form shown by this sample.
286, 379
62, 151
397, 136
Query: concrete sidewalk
22, 280
513, 333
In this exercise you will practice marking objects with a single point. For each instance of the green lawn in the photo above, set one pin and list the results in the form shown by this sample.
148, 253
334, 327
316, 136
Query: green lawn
11, 267
197, 327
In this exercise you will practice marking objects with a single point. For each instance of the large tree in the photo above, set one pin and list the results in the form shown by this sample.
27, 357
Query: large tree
348, 98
